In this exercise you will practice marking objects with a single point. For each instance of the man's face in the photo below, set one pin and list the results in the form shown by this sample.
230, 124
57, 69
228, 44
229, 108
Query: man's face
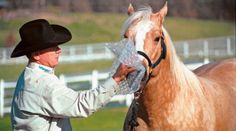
48, 57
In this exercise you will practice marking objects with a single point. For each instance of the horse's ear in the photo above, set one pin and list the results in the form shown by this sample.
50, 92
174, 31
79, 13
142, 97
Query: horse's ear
164, 10
161, 14
130, 9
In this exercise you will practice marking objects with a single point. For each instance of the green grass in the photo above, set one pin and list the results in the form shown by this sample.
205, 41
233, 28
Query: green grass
95, 28
106, 119
187, 29
105, 27
5, 123
12, 72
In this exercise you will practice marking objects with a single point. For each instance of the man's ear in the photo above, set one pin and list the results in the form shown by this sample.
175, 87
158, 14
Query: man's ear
35, 56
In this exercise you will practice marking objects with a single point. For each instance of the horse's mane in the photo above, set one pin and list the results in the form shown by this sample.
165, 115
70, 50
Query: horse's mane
186, 78
191, 89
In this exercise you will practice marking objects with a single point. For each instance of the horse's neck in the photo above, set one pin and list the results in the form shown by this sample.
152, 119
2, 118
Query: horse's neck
168, 77
169, 86
168, 95
162, 87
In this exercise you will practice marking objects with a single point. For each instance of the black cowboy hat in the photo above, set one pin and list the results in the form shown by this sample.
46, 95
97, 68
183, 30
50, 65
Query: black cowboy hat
37, 35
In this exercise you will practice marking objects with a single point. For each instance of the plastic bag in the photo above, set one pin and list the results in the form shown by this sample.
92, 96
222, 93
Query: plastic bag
125, 53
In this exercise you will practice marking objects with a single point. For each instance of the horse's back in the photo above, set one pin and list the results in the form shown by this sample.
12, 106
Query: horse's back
219, 77
222, 72
219, 82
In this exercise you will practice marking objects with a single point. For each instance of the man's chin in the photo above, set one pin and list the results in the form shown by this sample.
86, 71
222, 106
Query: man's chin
54, 65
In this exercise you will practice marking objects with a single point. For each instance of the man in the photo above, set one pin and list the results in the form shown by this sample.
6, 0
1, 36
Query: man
41, 101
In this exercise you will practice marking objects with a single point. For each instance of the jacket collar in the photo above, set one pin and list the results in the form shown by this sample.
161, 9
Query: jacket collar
40, 67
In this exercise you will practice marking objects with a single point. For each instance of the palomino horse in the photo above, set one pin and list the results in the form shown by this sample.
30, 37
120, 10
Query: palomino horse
173, 97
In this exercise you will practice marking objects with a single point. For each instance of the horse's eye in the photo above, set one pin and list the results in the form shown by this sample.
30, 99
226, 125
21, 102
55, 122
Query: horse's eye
125, 36
157, 39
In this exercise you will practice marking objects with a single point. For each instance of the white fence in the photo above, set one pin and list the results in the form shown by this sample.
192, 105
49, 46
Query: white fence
202, 48
207, 48
80, 82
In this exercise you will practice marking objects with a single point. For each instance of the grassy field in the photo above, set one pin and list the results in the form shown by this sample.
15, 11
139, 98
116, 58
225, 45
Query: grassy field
104, 27
107, 119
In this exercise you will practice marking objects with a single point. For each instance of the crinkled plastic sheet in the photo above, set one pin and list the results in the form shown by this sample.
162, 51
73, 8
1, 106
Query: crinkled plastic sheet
125, 53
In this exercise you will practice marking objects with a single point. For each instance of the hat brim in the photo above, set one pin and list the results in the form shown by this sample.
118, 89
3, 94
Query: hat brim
62, 35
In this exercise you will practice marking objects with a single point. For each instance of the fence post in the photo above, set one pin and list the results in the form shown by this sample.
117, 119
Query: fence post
2, 98
206, 52
129, 98
62, 79
228, 46
72, 51
186, 50
4, 55
94, 79
108, 53
89, 50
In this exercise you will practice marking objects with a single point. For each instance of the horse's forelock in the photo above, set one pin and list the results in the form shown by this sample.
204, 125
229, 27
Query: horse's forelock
142, 14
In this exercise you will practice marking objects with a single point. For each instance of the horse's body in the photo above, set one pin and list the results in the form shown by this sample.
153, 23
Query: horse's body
175, 98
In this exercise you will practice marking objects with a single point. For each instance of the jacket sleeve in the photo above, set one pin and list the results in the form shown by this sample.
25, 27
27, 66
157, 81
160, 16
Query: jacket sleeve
60, 101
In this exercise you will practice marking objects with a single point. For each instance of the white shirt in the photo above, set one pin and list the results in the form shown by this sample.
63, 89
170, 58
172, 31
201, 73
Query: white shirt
42, 102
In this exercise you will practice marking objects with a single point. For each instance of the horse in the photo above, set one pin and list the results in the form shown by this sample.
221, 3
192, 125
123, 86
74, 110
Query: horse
173, 97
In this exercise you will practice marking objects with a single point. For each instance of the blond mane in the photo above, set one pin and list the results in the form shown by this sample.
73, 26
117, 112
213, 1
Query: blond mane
191, 90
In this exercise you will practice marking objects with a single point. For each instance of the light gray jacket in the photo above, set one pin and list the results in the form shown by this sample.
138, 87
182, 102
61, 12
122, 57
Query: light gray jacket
42, 102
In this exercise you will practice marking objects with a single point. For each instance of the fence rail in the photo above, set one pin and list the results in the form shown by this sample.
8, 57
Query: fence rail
77, 82
201, 48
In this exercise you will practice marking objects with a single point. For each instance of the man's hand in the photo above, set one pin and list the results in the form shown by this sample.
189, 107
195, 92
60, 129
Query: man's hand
122, 72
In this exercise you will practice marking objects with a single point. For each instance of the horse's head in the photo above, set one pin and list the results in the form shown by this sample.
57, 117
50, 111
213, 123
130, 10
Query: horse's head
145, 29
